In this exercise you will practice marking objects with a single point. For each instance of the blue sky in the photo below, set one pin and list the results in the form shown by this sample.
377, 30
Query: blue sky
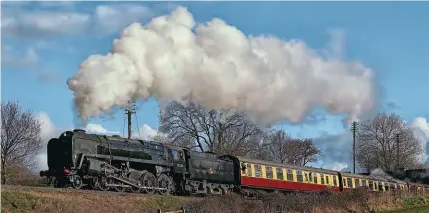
43, 44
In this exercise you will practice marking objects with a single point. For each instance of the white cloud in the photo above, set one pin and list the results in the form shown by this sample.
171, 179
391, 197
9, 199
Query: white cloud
337, 166
47, 21
421, 130
99, 129
22, 60
145, 133
110, 18
48, 128
44, 23
57, 4
48, 131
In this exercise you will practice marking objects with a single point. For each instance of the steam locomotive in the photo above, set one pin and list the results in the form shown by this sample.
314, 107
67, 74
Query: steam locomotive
82, 160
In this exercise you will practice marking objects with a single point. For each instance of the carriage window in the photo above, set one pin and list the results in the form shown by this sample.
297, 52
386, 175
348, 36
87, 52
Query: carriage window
289, 174
269, 172
327, 179
364, 183
371, 184
314, 177
322, 179
258, 171
380, 186
345, 182
249, 170
357, 182
279, 172
349, 182
243, 168
310, 177
299, 177
335, 181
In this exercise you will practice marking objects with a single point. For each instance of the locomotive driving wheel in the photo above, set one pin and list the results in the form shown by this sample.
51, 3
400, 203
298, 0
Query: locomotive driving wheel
166, 183
120, 188
102, 183
77, 182
148, 180
135, 176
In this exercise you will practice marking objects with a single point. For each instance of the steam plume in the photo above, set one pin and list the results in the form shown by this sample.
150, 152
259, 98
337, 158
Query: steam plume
216, 65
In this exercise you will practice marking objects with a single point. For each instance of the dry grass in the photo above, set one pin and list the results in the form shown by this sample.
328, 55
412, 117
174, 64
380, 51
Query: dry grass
68, 201
28, 199
352, 201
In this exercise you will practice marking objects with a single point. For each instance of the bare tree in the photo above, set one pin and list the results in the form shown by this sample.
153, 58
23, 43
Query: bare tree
220, 131
20, 137
183, 141
377, 146
282, 148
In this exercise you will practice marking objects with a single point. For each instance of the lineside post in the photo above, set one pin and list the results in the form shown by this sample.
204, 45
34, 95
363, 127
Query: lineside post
397, 148
129, 111
353, 129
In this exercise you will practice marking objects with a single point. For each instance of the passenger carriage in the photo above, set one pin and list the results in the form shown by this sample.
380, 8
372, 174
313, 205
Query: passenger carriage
275, 176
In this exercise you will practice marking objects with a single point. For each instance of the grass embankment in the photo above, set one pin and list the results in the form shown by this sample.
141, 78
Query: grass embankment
30, 199
69, 201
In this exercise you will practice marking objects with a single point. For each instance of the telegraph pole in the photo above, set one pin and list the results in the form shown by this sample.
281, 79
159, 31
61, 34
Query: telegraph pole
129, 111
353, 129
397, 149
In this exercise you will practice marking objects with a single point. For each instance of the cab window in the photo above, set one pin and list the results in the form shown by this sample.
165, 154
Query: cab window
175, 155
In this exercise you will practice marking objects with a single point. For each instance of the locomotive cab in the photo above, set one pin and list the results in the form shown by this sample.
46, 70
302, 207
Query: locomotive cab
176, 157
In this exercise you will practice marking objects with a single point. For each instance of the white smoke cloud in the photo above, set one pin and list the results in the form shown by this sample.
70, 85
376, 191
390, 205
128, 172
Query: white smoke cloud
216, 65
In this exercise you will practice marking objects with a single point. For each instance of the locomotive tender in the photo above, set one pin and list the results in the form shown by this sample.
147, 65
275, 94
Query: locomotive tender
104, 163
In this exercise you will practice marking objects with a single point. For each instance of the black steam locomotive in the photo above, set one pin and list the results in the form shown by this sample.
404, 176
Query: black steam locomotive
103, 162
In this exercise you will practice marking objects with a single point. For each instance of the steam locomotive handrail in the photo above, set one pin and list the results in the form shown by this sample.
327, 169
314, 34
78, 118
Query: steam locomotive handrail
128, 159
